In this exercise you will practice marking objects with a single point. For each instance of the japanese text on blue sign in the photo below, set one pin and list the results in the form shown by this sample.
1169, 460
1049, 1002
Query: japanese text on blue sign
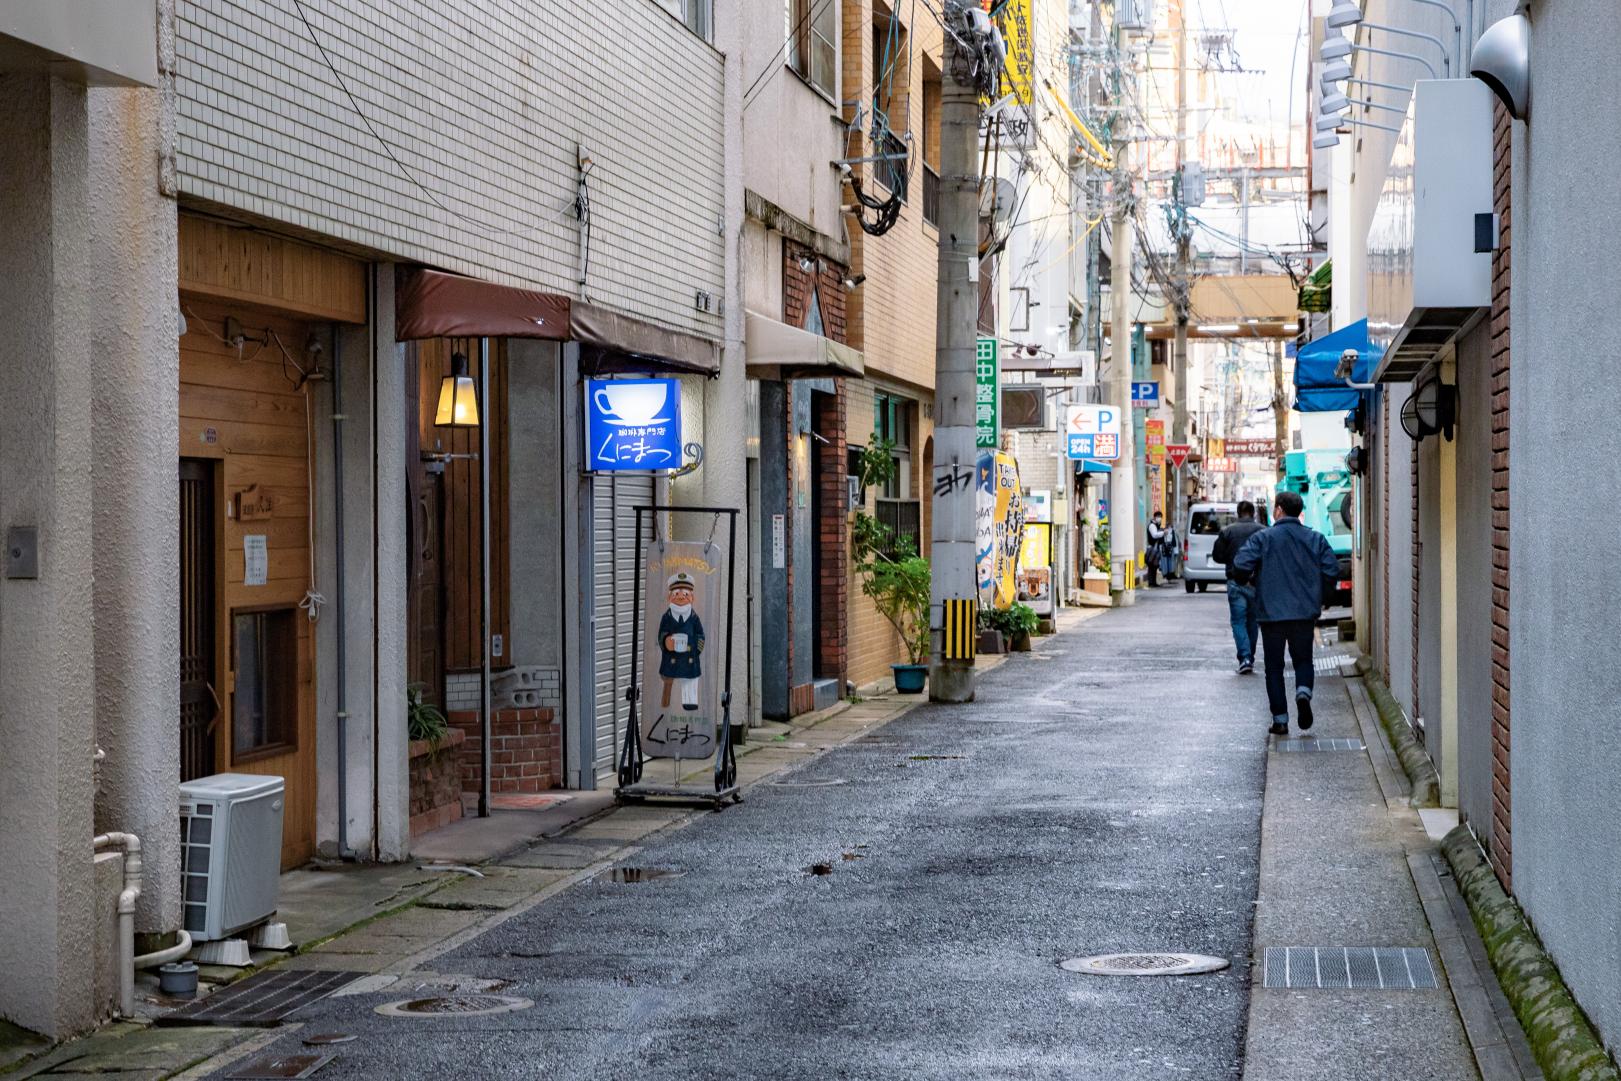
632, 424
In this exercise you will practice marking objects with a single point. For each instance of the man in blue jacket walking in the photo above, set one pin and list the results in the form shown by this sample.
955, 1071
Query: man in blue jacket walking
1289, 565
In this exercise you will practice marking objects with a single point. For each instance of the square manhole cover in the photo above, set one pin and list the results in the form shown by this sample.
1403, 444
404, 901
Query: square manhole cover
1356, 968
281, 1066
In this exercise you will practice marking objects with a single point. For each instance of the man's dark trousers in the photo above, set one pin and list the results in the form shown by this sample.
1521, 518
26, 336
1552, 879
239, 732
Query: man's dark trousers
1296, 635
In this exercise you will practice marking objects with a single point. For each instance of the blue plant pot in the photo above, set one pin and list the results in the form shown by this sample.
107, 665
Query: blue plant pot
910, 678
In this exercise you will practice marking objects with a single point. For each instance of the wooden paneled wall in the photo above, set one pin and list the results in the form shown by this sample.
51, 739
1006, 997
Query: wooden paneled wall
228, 262
242, 409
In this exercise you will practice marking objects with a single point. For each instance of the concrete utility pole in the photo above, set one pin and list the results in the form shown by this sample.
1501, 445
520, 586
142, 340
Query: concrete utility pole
1179, 351
952, 542
1123, 524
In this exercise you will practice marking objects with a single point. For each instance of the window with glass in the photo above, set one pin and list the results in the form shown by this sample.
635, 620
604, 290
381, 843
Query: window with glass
893, 420
264, 704
697, 15
813, 30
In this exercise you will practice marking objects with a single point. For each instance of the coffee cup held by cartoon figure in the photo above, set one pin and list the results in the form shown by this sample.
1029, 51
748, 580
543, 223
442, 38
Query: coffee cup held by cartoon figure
681, 642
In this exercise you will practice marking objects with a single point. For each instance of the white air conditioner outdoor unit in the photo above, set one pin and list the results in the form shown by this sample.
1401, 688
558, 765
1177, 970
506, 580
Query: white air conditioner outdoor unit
230, 837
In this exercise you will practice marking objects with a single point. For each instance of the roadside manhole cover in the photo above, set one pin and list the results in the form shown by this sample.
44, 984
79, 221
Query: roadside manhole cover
1144, 964
281, 1066
825, 782
327, 1039
455, 1006
642, 874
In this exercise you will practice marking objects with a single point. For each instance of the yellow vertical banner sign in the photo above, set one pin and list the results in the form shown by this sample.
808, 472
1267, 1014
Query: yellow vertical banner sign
1018, 33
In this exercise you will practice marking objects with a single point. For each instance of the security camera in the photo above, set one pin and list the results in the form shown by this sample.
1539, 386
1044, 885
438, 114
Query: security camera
1502, 60
1346, 366
853, 282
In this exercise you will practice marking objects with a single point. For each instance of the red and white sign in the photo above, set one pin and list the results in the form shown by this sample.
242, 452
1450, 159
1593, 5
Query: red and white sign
1220, 465
1251, 448
1178, 453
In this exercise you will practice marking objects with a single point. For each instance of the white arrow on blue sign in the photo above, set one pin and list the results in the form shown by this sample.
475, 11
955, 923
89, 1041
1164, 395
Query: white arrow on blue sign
1145, 395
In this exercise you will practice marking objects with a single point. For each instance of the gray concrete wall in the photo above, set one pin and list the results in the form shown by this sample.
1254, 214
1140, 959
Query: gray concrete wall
1565, 526
774, 500
1474, 471
535, 492
1429, 596
136, 383
1399, 546
47, 640
390, 422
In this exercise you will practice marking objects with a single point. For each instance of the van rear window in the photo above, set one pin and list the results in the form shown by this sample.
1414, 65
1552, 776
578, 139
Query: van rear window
1208, 523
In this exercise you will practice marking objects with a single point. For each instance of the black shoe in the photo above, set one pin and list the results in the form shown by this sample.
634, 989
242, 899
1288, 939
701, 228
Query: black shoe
1246, 668
1279, 729
1303, 709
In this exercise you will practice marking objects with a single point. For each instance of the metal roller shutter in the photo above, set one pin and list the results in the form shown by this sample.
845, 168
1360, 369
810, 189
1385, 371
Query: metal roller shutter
613, 571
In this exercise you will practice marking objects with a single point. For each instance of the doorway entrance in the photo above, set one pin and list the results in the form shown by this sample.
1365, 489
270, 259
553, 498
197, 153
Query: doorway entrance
199, 630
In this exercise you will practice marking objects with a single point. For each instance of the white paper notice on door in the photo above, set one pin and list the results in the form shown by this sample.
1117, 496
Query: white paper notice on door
256, 560
779, 542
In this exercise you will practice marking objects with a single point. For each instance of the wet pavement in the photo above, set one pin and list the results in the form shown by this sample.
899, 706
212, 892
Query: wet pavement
1102, 795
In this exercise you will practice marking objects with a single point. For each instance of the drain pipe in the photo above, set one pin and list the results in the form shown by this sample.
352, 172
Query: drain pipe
130, 846
163, 957
337, 595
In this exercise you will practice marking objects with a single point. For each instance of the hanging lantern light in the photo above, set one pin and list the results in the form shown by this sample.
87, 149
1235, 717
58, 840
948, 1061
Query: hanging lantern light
458, 400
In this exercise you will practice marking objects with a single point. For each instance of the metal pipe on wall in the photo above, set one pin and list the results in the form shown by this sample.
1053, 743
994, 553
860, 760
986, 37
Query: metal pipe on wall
341, 688
484, 574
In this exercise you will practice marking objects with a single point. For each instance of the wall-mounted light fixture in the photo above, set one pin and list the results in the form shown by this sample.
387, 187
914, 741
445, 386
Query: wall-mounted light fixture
458, 399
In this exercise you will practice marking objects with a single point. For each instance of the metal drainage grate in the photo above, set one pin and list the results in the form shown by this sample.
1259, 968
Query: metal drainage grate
280, 1066
1144, 964
642, 874
1369, 968
455, 1006
1329, 662
1301, 745
262, 1000
826, 782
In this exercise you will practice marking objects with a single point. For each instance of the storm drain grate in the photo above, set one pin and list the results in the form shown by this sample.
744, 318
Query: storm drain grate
455, 1006
1383, 968
280, 1066
1329, 662
826, 782
1144, 964
262, 1000
1302, 745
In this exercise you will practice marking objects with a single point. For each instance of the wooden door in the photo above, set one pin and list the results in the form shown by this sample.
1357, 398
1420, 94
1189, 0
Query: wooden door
244, 408
200, 706
425, 532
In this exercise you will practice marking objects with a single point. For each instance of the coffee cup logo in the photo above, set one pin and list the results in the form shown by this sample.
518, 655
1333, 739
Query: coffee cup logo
631, 404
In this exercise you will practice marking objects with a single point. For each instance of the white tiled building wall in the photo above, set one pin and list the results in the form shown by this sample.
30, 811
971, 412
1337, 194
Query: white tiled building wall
483, 103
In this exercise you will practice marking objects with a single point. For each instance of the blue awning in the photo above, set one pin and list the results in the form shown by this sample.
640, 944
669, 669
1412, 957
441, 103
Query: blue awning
1092, 465
1316, 389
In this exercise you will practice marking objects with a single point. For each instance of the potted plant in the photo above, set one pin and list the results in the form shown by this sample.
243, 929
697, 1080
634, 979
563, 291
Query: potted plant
893, 575
1016, 623
424, 722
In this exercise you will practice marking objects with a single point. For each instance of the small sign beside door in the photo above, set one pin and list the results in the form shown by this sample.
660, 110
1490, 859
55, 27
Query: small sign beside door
255, 560
632, 424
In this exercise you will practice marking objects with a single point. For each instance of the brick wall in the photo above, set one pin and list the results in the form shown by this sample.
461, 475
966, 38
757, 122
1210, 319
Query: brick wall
1502, 847
526, 750
470, 96
436, 783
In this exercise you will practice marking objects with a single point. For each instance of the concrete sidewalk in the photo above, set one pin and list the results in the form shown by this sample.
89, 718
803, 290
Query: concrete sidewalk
1346, 862
390, 918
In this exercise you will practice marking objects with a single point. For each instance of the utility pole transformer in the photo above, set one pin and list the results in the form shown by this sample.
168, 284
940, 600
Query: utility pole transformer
953, 487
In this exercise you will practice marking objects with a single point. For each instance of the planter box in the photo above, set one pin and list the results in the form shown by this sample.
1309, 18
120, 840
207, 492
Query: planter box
1095, 582
991, 642
436, 785
1046, 625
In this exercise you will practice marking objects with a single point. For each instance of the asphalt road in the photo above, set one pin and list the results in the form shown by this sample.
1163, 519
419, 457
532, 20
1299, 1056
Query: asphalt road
1103, 794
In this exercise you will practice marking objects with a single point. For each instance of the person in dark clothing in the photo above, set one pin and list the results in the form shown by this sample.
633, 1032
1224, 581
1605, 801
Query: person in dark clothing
1240, 595
1156, 541
1288, 565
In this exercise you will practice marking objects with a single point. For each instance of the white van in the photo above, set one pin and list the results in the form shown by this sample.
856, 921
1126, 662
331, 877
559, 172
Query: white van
1205, 523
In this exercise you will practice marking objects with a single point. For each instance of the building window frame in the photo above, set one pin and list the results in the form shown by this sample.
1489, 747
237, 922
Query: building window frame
895, 421
812, 44
265, 687
697, 16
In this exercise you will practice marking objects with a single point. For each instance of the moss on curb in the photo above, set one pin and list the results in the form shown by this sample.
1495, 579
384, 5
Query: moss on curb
1414, 762
1565, 1045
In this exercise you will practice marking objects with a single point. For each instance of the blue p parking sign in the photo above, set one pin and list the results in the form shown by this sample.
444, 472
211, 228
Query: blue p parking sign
1145, 395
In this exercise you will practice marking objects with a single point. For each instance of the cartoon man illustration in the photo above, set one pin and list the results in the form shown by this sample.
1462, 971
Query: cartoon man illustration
681, 642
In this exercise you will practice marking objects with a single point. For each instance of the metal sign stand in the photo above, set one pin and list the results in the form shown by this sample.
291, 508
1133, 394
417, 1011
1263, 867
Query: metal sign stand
631, 786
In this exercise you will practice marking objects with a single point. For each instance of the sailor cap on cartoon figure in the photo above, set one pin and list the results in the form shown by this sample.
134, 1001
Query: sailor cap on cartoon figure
681, 641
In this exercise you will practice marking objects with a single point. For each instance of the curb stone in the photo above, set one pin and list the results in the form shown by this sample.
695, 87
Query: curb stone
1564, 1043
1414, 762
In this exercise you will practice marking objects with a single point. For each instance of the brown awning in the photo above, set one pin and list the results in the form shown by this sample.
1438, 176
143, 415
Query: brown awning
433, 304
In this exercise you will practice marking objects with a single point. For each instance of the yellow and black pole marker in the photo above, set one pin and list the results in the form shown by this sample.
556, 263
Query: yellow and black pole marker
958, 626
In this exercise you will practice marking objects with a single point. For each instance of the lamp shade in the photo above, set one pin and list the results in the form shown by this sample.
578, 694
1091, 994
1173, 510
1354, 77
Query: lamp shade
1335, 47
458, 399
1334, 103
1325, 140
1344, 13
1335, 71
1329, 121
